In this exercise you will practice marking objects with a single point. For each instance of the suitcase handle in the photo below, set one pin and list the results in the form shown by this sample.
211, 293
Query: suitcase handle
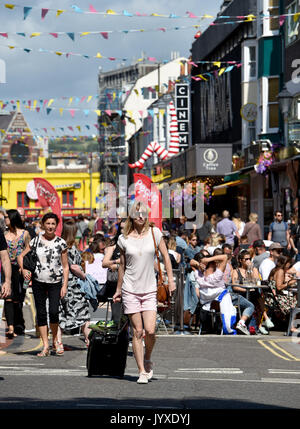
110, 300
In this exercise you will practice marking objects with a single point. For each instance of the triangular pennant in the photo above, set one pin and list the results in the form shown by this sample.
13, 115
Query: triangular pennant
59, 12
44, 12
92, 9
72, 36
77, 9
27, 11
54, 35
4, 35
104, 34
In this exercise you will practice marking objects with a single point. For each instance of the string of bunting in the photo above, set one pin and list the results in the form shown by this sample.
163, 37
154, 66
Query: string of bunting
38, 104
124, 13
104, 33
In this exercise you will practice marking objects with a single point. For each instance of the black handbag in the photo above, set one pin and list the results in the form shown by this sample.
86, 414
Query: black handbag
112, 276
31, 258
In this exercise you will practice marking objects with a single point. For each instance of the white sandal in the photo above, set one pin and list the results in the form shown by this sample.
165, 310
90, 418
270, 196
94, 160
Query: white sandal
143, 378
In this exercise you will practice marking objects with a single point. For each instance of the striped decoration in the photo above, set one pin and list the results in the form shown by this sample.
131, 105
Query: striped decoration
155, 147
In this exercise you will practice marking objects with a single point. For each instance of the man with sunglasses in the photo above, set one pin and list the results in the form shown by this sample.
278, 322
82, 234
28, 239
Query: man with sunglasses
269, 263
279, 231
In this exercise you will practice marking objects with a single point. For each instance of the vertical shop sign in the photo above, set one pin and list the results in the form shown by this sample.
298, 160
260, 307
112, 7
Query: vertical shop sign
182, 102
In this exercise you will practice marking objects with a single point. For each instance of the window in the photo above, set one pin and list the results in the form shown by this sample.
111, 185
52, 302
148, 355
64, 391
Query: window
274, 11
68, 198
273, 107
292, 23
251, 132
22, 199
252, 61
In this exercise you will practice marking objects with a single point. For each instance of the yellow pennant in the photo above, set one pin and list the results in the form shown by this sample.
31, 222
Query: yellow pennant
89, 98
18, 105
61, 111
114, 96
50, 102
1, 104
296, 17
98, 55
9, 6
70, 100
59, 12
35, 34
11, 47
222, 71
207, 16
34, 104
218, 64
202, 77
110, 12
58, 53
250, 18
85, 33
98, 112
78, 127
162, 112
136, 91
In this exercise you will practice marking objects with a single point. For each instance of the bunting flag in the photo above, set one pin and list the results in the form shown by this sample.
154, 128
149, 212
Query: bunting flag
155, 147
112, 13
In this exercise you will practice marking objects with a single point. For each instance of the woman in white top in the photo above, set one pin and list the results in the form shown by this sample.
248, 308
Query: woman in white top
137, 283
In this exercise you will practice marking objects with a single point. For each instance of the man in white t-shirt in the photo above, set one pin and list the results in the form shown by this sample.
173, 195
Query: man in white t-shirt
268, 264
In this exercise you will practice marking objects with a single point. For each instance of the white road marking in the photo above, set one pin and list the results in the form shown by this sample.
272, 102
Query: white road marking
211, 370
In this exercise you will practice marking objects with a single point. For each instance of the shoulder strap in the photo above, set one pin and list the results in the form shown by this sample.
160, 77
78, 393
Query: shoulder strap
157, 256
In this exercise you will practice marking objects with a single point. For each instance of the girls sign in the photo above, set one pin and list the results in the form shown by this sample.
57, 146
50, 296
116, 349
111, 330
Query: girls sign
48, 199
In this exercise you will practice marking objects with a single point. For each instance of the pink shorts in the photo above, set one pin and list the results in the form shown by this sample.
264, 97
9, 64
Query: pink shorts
137, 302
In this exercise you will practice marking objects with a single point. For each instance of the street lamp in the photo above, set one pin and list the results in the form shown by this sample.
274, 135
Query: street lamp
285, 99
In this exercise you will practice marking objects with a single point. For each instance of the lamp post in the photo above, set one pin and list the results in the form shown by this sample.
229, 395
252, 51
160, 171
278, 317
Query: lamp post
285, 99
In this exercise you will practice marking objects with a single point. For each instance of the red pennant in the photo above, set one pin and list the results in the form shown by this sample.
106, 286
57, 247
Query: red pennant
44, 12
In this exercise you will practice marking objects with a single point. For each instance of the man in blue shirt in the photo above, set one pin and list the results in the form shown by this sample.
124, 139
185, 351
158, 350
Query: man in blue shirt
279, 231
228, 228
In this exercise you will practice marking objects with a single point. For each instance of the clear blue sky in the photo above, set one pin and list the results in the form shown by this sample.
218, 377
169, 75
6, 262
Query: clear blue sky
38, 76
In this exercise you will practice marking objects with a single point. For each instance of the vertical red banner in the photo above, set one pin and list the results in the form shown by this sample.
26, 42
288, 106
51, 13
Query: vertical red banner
148, 192
48, 199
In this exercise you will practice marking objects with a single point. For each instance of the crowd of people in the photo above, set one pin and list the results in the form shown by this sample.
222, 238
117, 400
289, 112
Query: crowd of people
85, 266
269, 268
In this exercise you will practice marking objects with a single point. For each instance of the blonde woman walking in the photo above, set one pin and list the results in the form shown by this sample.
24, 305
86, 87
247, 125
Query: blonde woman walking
137, 283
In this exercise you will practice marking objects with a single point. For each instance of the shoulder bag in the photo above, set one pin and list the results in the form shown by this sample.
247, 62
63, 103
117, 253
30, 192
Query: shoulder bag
31, 258
162, 288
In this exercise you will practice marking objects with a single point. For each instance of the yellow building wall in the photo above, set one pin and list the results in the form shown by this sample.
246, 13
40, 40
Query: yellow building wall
12, 183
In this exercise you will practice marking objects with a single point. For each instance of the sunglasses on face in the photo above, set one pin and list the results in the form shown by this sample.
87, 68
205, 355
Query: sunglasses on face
247, 259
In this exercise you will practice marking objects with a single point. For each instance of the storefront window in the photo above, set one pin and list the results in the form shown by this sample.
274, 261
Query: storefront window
22, 199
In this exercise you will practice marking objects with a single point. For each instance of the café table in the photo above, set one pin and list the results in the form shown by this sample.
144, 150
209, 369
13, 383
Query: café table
249, 287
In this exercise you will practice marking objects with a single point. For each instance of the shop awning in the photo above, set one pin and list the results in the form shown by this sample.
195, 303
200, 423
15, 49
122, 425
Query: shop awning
222, 189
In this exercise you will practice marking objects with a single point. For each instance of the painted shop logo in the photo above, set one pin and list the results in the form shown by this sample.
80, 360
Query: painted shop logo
210, 157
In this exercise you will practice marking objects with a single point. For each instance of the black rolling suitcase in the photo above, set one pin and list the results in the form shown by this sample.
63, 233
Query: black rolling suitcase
108, 347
